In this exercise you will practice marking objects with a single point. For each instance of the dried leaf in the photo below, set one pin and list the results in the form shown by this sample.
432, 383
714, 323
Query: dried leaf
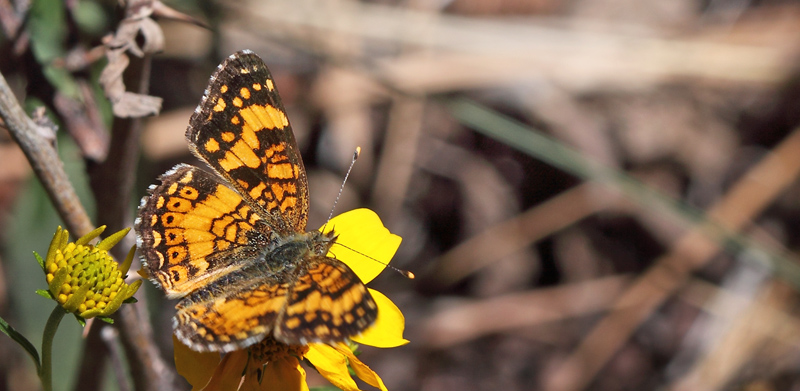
125, 104
138, 9
126, 33
129, 29
137, 23
153, 36
111, 77
132, 105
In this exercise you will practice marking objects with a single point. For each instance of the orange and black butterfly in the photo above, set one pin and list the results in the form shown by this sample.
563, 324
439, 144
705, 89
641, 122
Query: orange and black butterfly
232, 243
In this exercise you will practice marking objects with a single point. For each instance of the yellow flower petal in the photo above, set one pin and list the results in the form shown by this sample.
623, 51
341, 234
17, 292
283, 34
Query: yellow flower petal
284, 374
228, 374
362, 370
362, 232
387, 331
332, 365
195, 367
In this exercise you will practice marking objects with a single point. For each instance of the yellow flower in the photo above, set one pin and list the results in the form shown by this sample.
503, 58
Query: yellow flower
271, 365
83, 278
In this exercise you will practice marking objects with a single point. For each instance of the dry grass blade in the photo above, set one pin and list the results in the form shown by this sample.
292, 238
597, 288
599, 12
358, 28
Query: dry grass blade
397, 163
509, 237
562, 156
754, 191
474, 319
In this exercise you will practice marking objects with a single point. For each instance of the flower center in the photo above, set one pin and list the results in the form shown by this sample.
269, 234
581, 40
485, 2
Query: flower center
270, 350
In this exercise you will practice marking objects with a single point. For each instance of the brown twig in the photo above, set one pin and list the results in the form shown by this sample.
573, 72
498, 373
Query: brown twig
150, 372
110, 337
397, 163
112, 184
83, 122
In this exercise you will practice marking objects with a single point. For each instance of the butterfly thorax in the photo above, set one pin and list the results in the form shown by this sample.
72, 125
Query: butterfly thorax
285, 254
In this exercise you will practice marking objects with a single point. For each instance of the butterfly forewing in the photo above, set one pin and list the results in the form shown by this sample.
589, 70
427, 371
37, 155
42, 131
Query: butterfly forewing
241, 130
193, 229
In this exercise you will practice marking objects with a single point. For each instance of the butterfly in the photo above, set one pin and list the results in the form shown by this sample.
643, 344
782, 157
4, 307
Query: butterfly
232, 243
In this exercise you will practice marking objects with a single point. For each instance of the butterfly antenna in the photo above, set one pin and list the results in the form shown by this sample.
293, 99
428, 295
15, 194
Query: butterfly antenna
404, 273
341, 188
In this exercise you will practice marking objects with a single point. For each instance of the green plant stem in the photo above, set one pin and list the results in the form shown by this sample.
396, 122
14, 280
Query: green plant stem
46, 372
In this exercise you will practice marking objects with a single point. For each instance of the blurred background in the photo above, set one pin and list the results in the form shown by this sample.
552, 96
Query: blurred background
593, 194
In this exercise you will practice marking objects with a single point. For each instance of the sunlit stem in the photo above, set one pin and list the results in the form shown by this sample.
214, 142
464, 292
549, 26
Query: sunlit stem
46, 371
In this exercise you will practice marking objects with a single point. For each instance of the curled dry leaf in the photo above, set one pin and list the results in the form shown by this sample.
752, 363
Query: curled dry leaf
129, 29
111, 77
136, 23
123, 103
79, 58
136, 105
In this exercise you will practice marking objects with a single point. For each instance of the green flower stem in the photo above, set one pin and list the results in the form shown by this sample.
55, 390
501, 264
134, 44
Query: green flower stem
46, 373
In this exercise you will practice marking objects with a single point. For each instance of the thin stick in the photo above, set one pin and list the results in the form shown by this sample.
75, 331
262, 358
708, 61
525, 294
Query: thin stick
112, 184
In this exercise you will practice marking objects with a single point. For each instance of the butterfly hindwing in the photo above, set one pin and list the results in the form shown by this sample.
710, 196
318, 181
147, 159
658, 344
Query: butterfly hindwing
328, 302
324, 302
242, 315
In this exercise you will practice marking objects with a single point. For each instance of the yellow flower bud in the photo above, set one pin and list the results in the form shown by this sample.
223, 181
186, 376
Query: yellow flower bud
84, 278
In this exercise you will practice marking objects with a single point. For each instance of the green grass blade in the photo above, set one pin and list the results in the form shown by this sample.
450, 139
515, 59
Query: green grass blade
540, 146
21, 340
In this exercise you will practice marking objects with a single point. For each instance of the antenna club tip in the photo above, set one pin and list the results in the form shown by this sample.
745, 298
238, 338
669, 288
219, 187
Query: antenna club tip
409, 275
357, 153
